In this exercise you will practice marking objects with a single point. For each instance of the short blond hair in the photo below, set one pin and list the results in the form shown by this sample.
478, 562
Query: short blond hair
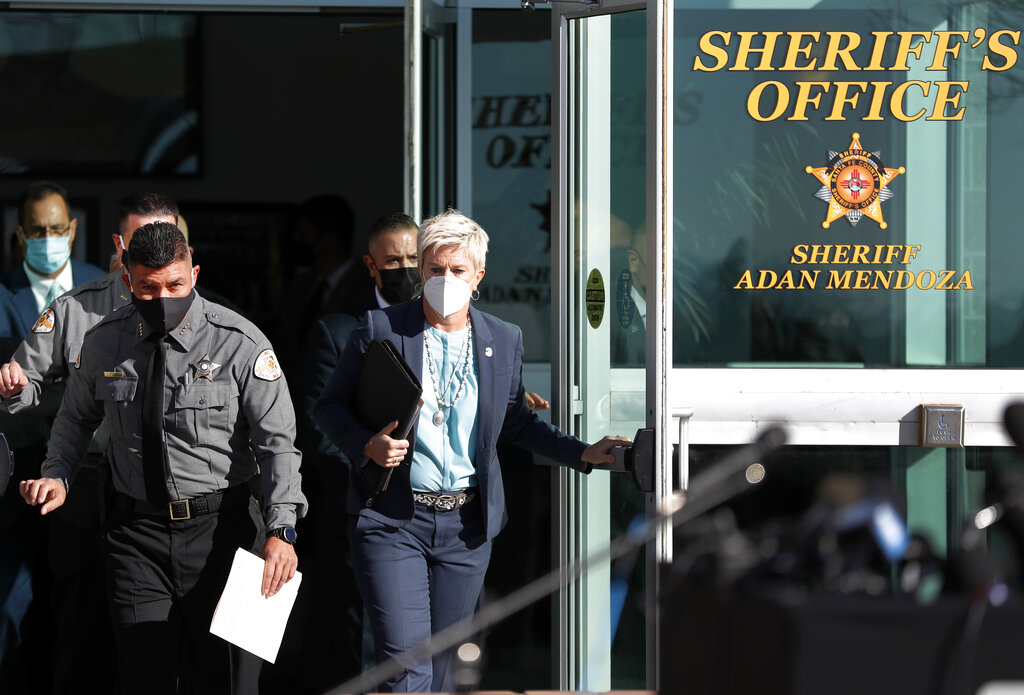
452, 228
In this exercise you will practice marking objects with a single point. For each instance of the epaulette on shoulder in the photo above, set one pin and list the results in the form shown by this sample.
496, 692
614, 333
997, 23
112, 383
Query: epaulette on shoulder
223, 317
114, 317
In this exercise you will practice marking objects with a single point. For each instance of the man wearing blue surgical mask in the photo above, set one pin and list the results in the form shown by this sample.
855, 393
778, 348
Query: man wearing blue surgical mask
46, 234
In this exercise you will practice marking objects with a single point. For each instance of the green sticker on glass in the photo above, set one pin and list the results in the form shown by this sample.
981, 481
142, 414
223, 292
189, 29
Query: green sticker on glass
595, 298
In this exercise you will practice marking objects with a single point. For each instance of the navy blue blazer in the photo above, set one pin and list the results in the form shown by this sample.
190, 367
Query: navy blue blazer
361, 302
501, 409
9, 325
24, 301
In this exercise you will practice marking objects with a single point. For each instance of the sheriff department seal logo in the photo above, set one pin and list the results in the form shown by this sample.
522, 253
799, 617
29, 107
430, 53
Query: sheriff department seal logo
44, 324
266, 367
854, 184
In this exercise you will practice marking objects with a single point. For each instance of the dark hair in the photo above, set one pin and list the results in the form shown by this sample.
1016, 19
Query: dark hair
391, 223
145, 203
38, 191
330, 214
156, 245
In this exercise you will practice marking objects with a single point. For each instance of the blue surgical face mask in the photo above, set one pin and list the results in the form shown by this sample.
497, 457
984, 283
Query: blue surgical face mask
48, 254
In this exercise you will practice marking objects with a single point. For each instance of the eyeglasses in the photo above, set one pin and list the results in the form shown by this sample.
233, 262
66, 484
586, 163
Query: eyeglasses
38, 231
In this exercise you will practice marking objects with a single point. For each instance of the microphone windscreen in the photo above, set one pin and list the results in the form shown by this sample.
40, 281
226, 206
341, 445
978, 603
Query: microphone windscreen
736, 461
1014, 421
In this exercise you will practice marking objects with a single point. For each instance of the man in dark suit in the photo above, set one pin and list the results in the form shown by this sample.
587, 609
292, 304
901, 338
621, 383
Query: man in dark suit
46, 234
391, 262
329, 648
629, 324
9, 322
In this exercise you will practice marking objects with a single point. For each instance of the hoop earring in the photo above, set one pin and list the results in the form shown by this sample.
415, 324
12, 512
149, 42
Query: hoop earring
474, 292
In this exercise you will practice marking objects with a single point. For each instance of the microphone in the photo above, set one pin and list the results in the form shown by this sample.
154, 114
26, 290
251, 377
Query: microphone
847, 541
857, 508
736, 461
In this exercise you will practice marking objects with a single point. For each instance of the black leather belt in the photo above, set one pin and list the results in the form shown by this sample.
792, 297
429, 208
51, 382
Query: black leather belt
444, 502
180, 510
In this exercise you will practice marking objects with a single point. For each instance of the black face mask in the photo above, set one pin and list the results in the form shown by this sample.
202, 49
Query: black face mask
164, 314
399, 284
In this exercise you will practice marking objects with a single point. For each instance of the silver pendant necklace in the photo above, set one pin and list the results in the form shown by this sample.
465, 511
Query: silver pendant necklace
466, 360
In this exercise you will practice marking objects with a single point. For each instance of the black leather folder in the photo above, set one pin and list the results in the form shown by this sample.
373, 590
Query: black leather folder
387, 390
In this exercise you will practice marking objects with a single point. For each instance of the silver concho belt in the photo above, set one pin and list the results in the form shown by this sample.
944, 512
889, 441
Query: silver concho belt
442, 502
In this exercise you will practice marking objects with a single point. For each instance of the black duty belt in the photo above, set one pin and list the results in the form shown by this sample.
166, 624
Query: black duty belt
180, 510
444, 502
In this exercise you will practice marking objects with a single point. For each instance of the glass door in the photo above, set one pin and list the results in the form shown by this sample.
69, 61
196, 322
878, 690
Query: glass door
602, 336
840, 253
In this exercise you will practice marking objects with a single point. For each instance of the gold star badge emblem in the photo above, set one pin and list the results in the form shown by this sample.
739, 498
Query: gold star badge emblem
854, 184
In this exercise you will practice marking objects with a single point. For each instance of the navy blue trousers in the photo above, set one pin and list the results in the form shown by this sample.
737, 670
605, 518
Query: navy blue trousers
417, 580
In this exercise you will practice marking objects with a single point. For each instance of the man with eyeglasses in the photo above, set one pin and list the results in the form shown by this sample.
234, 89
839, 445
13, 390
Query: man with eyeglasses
46, 234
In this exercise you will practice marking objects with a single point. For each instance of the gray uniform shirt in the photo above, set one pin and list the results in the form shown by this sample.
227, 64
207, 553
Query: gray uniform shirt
227, 409
55, 342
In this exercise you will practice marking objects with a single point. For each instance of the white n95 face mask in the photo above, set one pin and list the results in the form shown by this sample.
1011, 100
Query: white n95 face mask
446, 294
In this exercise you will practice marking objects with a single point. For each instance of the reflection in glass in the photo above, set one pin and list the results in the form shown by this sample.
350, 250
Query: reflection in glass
628, 315
511, 164
627, 284
758, 277
98, 93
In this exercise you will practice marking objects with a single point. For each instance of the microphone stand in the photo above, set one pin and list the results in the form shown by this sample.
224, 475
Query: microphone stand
718, 484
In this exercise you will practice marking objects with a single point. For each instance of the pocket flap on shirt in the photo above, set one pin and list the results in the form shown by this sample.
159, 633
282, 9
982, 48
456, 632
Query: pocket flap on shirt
121, 389
202, 395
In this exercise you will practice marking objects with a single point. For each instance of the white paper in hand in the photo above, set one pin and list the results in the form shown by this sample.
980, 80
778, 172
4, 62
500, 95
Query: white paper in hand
246, 619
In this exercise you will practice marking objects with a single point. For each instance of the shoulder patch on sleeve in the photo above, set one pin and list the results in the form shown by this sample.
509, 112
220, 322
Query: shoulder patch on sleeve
267, 366
44, 324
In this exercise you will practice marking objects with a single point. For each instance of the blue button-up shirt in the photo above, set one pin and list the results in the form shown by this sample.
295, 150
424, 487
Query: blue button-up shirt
442, 458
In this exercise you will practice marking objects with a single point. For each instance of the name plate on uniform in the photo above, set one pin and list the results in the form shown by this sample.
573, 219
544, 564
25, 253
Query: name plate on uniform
942, 425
